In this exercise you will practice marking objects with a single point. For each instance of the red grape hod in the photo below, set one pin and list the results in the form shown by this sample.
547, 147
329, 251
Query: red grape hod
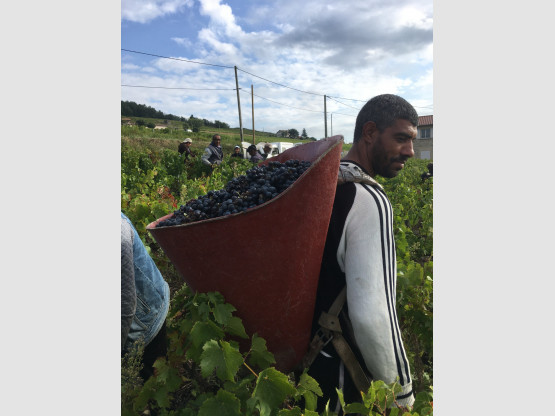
265, 261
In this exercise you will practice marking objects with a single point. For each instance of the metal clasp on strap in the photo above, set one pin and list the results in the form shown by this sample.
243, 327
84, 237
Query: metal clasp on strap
326, 338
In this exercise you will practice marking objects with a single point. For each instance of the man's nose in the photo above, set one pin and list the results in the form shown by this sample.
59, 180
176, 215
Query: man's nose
408, 150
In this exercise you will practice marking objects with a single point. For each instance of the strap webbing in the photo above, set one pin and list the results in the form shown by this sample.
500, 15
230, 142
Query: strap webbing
330, 330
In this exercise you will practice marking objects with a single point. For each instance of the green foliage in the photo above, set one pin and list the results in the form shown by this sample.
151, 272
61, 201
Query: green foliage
207, 373
412, 201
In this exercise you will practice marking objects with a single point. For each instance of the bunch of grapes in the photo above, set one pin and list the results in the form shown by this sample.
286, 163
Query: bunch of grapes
258, 185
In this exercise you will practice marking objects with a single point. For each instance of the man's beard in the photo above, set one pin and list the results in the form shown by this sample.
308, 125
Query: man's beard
381, 164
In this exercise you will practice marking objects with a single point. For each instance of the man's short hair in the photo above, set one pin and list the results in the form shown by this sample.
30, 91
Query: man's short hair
384, 110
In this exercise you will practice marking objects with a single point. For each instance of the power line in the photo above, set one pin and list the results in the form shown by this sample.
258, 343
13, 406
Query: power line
333, 99
177, 59
285, 105
256, 76
281, 85
181, 88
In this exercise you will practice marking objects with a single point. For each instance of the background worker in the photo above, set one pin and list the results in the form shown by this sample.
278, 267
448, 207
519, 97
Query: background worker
184, 149
254, 154
267, 151
237, 152
359, 254
213, 154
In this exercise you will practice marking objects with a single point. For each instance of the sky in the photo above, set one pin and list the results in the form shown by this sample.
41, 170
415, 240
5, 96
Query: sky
293, 60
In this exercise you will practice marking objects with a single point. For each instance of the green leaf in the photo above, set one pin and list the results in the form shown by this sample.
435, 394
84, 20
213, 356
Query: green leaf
226, 360
307, 383
341, 399
296, 411
308, 387
394, 411
310, 400
259, 354
272, 387
356, 408
235, 327
224, 404
222, 313
202, 332
169, 376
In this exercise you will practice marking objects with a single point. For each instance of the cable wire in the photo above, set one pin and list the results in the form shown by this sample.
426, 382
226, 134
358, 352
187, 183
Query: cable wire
181, 88
285, 105
256, 76
177, 59
281, 85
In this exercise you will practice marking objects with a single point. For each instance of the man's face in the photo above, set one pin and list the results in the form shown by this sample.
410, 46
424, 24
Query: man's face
236, 150
267, 149
217, 140
188, 144
391, 148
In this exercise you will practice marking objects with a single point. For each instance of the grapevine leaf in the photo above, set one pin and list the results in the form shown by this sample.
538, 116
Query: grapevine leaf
309, 388
202, 332
235, 327
222, 313
296, 411
341, 399
167, 375
356, 408
259, 354
272, 387
204, 310
310, 400
307, 383
224, 404
226, 360
161, 395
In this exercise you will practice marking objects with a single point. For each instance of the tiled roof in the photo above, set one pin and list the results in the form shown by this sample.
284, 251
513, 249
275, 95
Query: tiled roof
426, 120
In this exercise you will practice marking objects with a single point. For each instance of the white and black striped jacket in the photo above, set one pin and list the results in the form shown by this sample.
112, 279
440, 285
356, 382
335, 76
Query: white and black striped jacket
360, 252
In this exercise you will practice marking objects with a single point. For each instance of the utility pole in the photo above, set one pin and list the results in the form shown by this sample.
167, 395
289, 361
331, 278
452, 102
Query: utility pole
252, 104
325, 119
239, 103
331, 115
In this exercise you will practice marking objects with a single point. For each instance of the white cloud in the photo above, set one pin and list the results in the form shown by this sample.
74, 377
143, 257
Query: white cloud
183, 41
411, 16
143, 11
208, 36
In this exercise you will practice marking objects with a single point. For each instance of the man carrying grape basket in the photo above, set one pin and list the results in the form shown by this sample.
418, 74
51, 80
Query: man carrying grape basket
355, 332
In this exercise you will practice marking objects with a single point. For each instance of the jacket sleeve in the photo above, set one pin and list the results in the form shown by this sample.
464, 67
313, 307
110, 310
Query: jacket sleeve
205, 156
128, 291
366, 254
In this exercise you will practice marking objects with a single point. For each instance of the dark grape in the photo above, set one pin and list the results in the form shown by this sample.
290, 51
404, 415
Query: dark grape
259, 185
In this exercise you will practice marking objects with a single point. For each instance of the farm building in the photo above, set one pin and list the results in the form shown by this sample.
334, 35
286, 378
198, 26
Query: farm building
424, 143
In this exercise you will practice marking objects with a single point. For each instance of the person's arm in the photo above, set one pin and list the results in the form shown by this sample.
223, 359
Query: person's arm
366, 253
128, 291
205, 156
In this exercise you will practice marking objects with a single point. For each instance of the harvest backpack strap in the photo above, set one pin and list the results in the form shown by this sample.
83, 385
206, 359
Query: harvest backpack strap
330, 330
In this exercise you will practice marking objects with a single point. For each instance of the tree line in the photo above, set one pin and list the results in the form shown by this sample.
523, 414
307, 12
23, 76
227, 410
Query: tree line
132, 109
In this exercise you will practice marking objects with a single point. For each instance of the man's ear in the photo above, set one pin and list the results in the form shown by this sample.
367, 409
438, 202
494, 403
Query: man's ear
369, 131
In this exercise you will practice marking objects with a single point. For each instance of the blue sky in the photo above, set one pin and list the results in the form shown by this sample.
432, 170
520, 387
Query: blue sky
291, 54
